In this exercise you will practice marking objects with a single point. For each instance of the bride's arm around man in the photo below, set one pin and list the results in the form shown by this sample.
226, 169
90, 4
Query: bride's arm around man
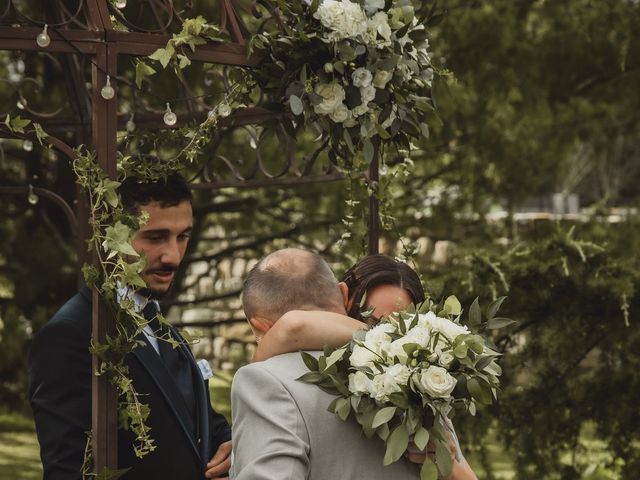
281, 427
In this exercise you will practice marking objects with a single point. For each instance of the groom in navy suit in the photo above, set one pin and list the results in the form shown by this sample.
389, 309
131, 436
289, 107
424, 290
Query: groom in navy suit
192, 441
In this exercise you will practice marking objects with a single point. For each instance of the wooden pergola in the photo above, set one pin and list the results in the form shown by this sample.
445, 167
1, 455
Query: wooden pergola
87, 32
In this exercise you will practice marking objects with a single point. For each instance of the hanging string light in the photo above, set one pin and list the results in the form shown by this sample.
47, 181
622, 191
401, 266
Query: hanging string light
169, 117
107, 91
27, 145
21, 103
130, 125
43, 39
32, 198
121, 4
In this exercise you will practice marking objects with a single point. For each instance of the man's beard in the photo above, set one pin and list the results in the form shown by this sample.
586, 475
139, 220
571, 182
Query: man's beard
155, 293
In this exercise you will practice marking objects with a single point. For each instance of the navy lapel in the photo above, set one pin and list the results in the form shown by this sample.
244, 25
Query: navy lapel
150, 360
202, 399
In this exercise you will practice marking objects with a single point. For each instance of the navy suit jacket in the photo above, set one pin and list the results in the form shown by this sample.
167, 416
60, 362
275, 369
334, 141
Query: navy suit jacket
60, 395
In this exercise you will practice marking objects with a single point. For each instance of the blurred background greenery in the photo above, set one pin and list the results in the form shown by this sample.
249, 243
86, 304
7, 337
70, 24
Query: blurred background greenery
527, 187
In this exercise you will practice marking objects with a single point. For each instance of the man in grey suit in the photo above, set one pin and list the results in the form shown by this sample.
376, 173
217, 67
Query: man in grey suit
281, 427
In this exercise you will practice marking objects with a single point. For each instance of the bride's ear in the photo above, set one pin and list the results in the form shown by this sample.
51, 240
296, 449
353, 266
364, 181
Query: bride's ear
260, 325
344, 290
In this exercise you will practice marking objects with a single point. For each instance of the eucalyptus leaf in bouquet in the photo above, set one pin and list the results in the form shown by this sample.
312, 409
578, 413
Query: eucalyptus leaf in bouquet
403, 378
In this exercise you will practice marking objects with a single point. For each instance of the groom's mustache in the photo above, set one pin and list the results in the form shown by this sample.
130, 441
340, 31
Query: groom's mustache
164, 269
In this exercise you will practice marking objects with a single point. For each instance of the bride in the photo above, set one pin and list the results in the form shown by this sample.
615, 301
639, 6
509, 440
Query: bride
377, 283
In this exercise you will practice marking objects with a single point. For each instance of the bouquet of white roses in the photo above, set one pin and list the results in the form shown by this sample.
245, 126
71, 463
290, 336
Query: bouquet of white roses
402, 377
354, 68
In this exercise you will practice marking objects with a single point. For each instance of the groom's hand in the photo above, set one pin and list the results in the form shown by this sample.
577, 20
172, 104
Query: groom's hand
219, 465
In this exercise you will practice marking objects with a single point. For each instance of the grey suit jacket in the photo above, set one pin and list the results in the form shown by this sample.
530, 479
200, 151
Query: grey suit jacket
283, 431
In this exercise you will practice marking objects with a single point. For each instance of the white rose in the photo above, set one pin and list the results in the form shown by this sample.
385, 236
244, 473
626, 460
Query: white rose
419, 335
445, 359
332, 95
359, 383
382, 386
361, 77
446, 327
372, 6
396, 349
360, 110
362, 357
400, 373
346, 19
377, 338
379, 25
367, 94
340, 114
381, 78
436, 382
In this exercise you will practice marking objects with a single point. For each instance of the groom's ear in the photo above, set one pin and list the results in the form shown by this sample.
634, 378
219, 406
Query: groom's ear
261, 324
344, 290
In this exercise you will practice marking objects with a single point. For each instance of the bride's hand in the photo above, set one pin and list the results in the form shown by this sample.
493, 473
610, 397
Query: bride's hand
458, 471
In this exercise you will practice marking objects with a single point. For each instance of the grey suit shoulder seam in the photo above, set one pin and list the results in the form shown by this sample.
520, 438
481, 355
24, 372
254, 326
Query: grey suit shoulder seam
268, 370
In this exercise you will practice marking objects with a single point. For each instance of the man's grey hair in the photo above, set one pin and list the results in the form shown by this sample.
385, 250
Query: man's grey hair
290, 279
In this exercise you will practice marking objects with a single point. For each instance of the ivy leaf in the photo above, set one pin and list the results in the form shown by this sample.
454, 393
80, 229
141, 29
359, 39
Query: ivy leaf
90, 274
117, 238
17, 124
40, 133
183, 61
111, 474
163, 55
131, 275
142, 71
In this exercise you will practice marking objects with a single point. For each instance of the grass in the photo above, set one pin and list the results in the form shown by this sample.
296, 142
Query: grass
19, 450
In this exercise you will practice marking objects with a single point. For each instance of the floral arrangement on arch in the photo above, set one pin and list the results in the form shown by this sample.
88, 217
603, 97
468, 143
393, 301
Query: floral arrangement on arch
357, 69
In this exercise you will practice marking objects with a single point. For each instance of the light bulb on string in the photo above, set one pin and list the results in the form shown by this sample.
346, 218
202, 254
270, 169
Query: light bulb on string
130, 125
107, 91
121, 4
27, 145
169, 117
21, 103
43, 39
32, 198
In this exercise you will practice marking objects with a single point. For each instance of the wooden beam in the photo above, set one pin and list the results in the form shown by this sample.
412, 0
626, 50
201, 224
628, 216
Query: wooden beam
104, 411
